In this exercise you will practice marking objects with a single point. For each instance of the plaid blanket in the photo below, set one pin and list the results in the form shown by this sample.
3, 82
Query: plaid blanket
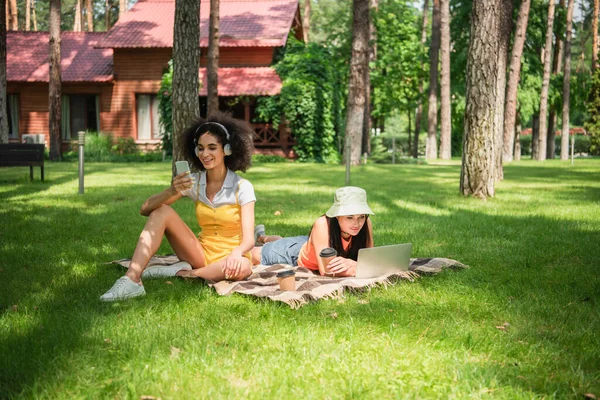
310, 286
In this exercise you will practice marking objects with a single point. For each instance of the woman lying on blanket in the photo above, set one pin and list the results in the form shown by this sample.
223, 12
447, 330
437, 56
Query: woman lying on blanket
224, 204
345, 226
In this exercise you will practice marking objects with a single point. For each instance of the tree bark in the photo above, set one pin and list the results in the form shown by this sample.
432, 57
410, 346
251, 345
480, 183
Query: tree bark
212, 67
478, 160
33, 16
556, 66
122, 8
107, 15
445, 101
186, 62
564, 140
89, 12
517, 140
434, 50
535, 133
540, 154
28, 15
77, 20
369, 89
306, 20
504, 30
513, 81
418, 116
55, 84
594, 37
14, 15
355, 109
3, 96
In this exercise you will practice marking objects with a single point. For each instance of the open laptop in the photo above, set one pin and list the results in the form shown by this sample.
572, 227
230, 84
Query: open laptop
377, 261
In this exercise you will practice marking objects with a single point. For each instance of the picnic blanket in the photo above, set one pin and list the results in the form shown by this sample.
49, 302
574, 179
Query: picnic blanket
310, 286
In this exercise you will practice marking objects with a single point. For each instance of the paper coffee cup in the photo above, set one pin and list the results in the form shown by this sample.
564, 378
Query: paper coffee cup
287, 280
327, 254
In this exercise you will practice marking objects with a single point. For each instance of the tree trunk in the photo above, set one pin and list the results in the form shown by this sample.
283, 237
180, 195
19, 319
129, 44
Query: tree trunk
541, 144
107, 15
77, 20
33, 16
594, 38
513, 81
445, 102
186, 62
517, 140
478, 160
306, 20
122, 8
564, 140
556, 65
3, 115
28, 15
418, 116
434, 50
212, 66
535, 133
369, 89
505, 28
14, 15
55, 84
355, 109
89, 11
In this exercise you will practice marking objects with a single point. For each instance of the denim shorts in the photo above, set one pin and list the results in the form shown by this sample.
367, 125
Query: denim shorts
282, 251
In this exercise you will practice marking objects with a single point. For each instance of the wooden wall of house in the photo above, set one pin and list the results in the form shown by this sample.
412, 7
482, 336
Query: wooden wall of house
242, 57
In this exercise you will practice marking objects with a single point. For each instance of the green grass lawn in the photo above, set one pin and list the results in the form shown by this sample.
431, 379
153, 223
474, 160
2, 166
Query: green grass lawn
522, 322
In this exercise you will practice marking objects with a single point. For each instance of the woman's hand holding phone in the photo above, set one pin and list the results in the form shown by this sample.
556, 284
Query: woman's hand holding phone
182, 181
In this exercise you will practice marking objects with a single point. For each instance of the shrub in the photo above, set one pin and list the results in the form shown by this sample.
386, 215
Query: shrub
268, 158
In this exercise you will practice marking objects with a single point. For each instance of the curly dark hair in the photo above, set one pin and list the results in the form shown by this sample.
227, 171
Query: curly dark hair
241, 140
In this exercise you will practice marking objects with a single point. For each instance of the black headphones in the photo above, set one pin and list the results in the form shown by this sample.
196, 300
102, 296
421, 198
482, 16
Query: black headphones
204, 128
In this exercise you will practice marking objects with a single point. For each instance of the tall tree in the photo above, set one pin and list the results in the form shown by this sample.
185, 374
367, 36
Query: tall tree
366, 133
510, 110
359, 60
564, 140
556, 67
186, 62
445, 103
434, 50
504, 30
14, 15
539, 148
55, 82
28, 15
33, 16
306, 20
77, 25
3, 115
418, 116
89, 12
595, 37
212, 67
107, 16
478, 163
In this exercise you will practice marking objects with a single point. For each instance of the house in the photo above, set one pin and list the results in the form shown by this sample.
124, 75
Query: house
110, 79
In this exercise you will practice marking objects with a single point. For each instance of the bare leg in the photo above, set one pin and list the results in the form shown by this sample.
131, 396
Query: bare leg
214, 271
267, 239
256, 253
164, 221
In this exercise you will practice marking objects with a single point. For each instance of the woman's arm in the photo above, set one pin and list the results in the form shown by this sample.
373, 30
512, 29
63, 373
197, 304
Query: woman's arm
319, 238
370, 242
168, 196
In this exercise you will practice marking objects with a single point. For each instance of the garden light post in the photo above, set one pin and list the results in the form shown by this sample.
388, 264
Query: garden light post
81, 142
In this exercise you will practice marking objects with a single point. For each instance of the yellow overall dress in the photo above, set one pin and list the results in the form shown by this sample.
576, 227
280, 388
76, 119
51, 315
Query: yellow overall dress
221, 228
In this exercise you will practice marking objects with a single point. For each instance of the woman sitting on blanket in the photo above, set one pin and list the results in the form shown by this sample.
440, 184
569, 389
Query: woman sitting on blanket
224, 204
345, 226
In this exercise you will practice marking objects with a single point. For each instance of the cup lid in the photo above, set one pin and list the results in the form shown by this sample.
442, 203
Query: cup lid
328, 252
286, 272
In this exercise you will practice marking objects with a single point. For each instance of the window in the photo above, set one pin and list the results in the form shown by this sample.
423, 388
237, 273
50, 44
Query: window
79, 112
12, 111
148, 126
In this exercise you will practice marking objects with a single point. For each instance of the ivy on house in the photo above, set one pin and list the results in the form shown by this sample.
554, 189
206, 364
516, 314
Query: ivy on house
165, 109
309, 101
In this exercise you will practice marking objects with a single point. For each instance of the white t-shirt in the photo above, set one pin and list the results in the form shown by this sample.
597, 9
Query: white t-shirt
227, 194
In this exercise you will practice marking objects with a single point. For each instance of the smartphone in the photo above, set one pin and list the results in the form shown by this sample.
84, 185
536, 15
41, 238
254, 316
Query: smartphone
181, 167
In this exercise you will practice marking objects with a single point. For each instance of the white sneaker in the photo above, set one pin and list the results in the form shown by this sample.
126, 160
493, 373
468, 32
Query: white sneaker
165, 271
259, 230
123, 289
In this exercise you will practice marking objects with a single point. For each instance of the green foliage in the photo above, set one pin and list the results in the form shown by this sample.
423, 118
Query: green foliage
165, 109
307, 100
268, 158
102, 147
582, 144
593, 106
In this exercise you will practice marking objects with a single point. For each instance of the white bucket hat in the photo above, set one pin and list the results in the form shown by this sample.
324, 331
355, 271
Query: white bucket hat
349, 200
